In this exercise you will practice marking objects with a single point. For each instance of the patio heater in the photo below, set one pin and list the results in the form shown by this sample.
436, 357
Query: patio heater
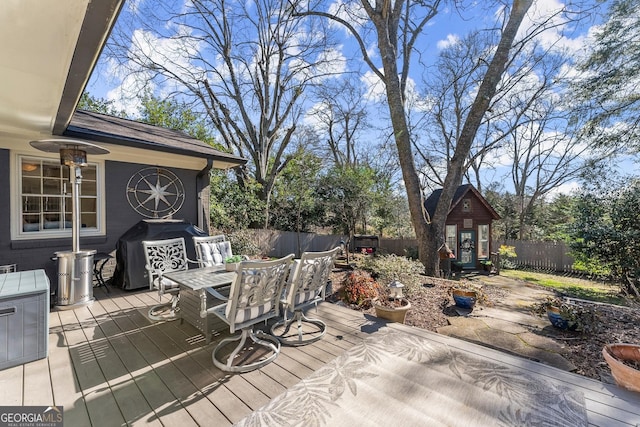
75, 268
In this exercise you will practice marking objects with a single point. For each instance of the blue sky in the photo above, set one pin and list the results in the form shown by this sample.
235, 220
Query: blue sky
444, 29
447, 28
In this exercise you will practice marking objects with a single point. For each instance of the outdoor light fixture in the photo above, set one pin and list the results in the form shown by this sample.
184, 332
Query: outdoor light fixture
395, 289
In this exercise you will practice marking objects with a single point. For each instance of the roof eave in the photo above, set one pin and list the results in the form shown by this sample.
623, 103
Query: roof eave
96, 136
96, 27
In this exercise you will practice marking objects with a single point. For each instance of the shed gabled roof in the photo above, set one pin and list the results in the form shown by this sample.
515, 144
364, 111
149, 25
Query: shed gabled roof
461, 192
115, 130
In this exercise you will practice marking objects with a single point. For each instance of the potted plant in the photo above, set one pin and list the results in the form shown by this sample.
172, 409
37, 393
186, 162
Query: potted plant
465, 295
567, 315
231, 263
391, 304
486, 265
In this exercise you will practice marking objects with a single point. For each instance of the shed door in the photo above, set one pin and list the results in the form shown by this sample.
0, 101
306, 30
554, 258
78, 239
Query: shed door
467, 246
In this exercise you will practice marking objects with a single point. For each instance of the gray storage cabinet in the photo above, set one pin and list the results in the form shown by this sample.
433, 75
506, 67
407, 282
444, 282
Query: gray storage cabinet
24, 317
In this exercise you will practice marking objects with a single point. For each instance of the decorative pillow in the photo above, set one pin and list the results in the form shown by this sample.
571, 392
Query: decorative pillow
210, 254
225, 250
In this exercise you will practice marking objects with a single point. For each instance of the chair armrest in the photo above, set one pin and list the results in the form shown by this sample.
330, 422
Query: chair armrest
151, 273
216, 294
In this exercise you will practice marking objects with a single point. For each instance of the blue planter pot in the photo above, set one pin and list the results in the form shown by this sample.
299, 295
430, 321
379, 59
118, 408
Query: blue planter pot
464, 299
556, 319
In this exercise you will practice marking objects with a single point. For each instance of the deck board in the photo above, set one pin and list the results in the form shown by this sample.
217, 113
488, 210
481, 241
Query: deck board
64, 383
109, 364
12, 386
129, 396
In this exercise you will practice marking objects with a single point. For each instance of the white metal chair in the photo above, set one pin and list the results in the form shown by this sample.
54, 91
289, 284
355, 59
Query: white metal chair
164, 256
8, 268
253, 298
208, 250
306, 286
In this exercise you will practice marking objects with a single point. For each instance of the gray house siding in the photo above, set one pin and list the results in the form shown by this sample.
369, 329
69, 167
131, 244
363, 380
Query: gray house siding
120, 216
5, 213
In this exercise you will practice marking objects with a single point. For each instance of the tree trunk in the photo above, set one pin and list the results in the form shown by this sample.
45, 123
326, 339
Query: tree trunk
479, 107
430, 231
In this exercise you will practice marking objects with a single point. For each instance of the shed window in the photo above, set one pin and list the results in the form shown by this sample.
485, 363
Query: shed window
483, 241
44, 206
451, 238
466, 205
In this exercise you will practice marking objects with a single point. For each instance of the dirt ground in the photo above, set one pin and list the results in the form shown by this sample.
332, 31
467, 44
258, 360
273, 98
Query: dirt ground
432, 306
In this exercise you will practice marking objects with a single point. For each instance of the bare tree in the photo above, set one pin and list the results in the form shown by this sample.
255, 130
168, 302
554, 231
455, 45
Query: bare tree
341, 117
396, 26
528, 124
458, 70
245, 65
546, 152
533, 74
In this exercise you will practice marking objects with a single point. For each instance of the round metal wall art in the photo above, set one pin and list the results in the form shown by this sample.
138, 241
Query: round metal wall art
155, 192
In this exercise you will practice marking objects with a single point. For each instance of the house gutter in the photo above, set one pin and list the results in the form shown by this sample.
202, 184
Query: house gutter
203, 196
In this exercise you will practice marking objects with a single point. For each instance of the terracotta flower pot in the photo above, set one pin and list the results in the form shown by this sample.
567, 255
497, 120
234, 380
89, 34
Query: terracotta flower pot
393, 314
625, 375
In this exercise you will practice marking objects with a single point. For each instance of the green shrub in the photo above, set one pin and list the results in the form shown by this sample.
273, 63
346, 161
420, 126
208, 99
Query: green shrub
580, 317
244, 242
507, 254
412, 252
389, 267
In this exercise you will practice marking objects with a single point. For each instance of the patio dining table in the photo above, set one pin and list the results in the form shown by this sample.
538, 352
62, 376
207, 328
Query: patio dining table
194, 298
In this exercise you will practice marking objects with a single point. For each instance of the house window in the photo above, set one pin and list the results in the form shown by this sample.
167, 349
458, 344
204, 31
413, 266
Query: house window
466, 205
44, 195
483, 241
450, 237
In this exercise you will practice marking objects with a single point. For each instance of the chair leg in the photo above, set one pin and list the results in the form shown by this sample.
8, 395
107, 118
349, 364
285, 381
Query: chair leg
166, 311
259, 338
299, 319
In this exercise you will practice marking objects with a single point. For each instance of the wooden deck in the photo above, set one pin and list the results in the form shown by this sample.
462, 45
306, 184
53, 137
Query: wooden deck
109, 365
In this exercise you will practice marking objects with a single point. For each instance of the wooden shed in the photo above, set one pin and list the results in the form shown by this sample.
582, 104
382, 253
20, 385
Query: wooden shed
469, 225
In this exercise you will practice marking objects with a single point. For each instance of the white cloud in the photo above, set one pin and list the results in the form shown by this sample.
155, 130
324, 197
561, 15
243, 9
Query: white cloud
171, 53
133, 6
549, 13
451, 40
351, 12
125, 96
375, 90
567, 189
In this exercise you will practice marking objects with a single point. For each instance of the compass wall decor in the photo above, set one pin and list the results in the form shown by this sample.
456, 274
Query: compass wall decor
155, 192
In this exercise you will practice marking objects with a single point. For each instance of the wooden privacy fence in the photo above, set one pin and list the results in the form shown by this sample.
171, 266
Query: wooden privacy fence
281, 243
549, 256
